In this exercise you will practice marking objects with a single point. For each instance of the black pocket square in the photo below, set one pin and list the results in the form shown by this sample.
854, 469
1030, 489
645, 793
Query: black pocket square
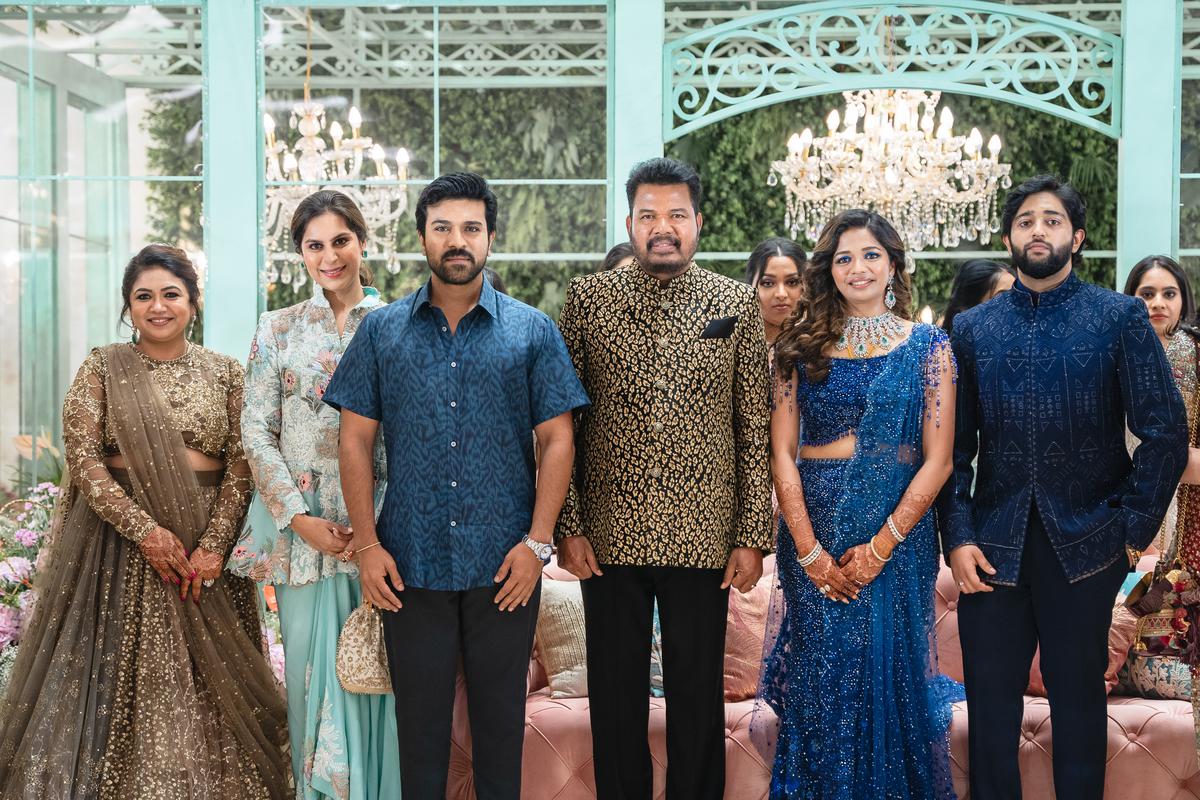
720, 328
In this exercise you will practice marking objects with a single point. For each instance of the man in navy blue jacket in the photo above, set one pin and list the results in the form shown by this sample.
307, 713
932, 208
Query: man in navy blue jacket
1050, 374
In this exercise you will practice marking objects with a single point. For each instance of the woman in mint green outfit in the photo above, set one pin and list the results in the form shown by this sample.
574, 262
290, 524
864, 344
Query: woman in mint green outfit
343, 745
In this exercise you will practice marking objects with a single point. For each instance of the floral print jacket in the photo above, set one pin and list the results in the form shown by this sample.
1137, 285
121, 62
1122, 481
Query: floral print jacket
291, 437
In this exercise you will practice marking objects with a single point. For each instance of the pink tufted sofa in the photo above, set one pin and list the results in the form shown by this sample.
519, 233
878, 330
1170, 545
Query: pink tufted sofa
1151, 747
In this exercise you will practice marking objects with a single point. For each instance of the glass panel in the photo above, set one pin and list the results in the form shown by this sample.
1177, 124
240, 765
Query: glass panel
549, 133
10, 94
63, 249
550, 219
135, 74
1189, 212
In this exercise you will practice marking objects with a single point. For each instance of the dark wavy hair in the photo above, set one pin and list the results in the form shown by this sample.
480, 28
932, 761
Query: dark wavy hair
768, 249
1187, 315
820, 316
1067, 194
160, 256
457, 186
975, 280
329, 201
615, 255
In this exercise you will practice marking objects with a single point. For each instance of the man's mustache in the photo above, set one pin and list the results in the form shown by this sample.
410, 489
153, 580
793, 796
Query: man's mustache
671, 240
458, 253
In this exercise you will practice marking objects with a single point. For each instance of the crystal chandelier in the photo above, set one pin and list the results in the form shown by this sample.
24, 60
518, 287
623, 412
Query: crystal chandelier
883, 153
382, 197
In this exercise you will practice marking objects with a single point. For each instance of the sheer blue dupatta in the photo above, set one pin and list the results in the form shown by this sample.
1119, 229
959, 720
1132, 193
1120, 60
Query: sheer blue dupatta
908, 708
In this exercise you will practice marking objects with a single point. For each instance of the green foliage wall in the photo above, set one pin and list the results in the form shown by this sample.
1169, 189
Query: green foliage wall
560, 133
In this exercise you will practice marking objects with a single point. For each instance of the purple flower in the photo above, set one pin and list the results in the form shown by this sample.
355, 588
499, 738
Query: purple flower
26, 537
10, 625
16, 569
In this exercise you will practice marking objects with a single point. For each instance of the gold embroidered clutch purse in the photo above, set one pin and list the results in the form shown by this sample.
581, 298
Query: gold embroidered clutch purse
361, 661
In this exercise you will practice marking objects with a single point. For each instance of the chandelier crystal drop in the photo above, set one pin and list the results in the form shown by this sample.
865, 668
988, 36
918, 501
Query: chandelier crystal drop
381, 197
885, 153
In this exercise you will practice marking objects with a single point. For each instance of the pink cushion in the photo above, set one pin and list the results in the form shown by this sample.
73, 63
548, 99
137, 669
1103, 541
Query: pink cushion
744, 634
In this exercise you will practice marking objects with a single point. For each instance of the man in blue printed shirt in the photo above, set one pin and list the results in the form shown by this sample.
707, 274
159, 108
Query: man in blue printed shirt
1050, 373
460, 377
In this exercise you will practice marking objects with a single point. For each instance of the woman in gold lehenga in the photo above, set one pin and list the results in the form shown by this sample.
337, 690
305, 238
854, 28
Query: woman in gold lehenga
142, 673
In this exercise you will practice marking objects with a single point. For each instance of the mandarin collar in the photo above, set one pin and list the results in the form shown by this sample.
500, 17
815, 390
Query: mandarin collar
646, 282
489, 298
1055, 297
370, 298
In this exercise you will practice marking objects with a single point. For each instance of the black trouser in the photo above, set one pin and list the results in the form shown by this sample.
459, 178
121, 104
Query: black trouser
425, 640
999, 631
619, 609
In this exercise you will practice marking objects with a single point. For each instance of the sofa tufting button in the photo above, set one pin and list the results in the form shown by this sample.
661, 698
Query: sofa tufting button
1131, 736
1028, 735
952, 605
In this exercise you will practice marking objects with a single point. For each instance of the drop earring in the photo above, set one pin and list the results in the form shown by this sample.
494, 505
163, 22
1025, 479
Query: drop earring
889, 299
135, 336
191, 327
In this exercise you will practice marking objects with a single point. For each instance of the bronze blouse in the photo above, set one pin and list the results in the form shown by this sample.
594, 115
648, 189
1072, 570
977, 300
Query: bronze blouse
203, 390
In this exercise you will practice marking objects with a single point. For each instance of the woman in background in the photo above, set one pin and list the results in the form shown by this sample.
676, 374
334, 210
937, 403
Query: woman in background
976, 282
773, 269
618, 256
1163, 286
343, 745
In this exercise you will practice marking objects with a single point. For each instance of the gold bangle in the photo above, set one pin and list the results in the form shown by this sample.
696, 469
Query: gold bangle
871, 544
367, 547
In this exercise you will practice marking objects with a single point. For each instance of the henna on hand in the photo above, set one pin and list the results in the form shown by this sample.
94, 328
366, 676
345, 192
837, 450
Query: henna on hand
911, 508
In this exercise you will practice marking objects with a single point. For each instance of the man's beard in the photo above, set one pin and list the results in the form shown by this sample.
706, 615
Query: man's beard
1044, 267
457, 275
661, 267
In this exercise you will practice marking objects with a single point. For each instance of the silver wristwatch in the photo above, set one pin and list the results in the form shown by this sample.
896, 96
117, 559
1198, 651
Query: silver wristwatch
540, 549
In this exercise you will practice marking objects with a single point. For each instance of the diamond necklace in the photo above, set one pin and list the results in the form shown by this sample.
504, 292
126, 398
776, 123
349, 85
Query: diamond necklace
860, 334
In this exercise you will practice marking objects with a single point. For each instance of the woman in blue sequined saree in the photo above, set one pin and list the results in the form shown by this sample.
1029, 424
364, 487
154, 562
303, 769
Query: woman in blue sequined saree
850, 671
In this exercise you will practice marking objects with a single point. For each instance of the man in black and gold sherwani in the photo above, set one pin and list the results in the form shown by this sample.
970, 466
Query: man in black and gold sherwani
670, 499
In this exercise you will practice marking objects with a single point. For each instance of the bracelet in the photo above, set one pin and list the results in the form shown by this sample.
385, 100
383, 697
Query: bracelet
367, 547
871, 544
812, 556
895, 531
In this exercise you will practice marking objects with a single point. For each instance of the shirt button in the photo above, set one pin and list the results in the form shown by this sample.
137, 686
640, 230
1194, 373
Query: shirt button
658, 427
454, 444
661, 383
663, 342
444, 329
453, 404
454, 363
453, 484
655, 472
666, 305
453, 524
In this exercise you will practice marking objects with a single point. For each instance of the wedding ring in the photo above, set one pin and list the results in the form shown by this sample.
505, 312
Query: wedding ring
962, 584
209, 581
824, 589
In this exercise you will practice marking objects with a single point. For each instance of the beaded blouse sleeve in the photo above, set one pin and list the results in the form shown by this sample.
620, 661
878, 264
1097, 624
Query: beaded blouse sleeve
237, 487
85, 411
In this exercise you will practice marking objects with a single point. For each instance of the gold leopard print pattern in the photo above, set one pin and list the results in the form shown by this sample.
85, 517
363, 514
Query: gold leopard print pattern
671, 465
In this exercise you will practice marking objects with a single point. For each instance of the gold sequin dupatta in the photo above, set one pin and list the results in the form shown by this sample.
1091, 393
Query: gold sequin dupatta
125, 691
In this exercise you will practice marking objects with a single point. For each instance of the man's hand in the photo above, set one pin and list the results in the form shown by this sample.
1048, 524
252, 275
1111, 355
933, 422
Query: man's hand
521, 571
321, 534
375, 567
576, 556
744, 569
965, 562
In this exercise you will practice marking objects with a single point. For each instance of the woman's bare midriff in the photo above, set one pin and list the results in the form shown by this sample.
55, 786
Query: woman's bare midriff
843, 449
198, 461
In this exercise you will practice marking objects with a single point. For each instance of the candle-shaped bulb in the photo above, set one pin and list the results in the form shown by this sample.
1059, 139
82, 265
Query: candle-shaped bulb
335, 131
806, 137
289, 164
355, 119
947, 118
269, 125
994, 147
832, 121
376, 154
402, 158
851, 118
795, 146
